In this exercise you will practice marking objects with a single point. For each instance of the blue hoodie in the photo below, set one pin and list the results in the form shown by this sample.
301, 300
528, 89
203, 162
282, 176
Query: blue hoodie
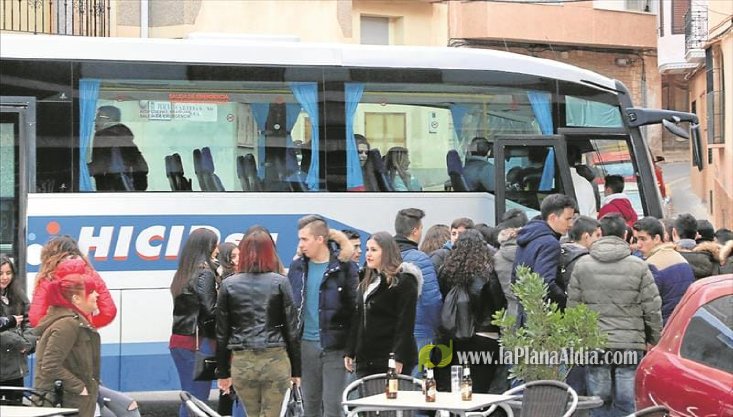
538, 247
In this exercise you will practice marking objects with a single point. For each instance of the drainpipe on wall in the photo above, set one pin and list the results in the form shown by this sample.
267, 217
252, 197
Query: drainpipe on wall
644, 96
144, 19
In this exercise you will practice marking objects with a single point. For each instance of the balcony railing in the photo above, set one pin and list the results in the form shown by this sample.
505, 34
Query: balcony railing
696, 31
56, 17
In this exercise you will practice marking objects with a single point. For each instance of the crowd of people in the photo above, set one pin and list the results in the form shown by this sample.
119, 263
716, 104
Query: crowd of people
326, 319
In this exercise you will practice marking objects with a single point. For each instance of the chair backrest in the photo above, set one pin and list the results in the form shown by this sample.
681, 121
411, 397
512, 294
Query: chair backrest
455, 171
653, 411
174, 172
374, 384
196, 407
33, 397
546, 399
203, 164
374, 159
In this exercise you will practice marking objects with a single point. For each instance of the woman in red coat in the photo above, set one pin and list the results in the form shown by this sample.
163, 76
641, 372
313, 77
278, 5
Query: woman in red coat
62, 254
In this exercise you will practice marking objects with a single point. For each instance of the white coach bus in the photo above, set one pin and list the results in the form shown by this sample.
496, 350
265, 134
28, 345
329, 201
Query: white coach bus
229, 133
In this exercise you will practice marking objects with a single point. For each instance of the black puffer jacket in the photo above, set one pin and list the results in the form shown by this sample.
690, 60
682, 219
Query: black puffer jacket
197, 304
256, 311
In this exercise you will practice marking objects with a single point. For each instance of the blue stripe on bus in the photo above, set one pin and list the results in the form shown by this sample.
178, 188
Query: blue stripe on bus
134, 367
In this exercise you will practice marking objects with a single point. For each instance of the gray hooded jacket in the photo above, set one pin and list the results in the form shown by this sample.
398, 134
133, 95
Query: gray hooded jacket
621, 288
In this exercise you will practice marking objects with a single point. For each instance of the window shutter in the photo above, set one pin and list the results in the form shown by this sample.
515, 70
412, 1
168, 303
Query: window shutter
679, 8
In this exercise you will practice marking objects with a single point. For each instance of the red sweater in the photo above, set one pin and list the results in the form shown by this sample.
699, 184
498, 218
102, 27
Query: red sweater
622, 206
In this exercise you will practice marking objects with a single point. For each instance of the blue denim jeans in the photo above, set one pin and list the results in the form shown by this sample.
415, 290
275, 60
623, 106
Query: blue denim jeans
420, 342
323, 380
615, 385
184, 360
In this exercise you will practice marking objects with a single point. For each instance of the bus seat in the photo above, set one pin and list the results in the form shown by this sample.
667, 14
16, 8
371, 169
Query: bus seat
295, 176
250, 173
297, 182
455, 171
374, 159
243, 182
204, 167
174, 172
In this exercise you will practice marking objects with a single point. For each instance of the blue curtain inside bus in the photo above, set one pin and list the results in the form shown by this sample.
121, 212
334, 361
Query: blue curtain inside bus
584, 113
88, 96
458, 113
542, 108
307, 96
354, 177
260, 112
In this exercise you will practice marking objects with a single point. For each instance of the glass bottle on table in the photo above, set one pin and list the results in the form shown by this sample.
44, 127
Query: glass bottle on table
390, 388
431, 387
466, 385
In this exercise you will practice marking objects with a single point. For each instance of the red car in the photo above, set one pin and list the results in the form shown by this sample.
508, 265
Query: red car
690, 371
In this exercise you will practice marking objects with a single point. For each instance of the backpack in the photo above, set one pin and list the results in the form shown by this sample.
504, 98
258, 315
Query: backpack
568, 256
456, 317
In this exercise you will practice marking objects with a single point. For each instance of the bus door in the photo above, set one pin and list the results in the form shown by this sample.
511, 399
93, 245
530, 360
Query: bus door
528, 168
597, 152
17, 173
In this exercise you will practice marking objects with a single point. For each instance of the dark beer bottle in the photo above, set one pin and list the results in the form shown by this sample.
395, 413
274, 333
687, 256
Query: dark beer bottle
431, 388
466, 385
391, 387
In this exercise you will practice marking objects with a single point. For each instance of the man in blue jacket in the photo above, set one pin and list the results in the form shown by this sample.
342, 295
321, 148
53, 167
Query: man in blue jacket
408, 228
324, 284
538, 243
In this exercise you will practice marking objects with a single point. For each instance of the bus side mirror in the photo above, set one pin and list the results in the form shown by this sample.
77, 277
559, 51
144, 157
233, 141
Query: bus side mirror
675, 129
696, 146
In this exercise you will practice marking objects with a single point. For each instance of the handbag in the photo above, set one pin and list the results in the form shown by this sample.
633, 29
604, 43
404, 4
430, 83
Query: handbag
293, 403
204, 367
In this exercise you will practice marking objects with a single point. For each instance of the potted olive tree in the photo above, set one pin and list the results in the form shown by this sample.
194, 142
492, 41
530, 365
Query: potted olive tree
549, 341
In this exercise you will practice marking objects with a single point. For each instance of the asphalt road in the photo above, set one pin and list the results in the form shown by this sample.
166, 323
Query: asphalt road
682, 199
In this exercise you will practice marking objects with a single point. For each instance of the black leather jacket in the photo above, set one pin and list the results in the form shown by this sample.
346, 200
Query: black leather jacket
197, 304
256, 311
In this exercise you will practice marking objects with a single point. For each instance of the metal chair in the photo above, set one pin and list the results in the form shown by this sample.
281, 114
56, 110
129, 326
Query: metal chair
196, 407
653, 411
37, 398
374, 384
542, 399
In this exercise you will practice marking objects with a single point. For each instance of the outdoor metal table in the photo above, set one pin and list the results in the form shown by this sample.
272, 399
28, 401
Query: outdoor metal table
21, 411
415, 400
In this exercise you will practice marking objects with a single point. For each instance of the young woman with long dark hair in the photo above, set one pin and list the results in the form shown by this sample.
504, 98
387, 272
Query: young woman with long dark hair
385, 319
194, 309
258, 344
15, 343
470, 265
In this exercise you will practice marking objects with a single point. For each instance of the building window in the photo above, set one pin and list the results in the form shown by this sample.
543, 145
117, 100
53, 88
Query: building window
638, 5
386, 129
374, 30
679, 9
715, 95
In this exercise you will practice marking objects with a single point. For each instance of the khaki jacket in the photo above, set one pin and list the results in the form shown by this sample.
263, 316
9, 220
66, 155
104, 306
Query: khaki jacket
68, 350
